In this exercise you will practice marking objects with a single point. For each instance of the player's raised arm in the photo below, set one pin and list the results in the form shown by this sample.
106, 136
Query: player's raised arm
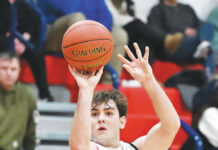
81, 128
161, 136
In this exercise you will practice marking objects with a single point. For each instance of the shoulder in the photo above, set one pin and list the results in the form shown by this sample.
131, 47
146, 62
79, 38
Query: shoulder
156, 7
185, 6
22, 87
25, 93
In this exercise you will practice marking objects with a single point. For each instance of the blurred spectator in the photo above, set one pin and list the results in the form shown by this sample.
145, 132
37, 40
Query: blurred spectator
27, 25
213, 18
205, 116
138, 31
61, 14
190, 39
17, 107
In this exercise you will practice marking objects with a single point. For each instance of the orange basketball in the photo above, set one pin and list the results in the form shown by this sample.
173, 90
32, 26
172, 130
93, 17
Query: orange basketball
87, 45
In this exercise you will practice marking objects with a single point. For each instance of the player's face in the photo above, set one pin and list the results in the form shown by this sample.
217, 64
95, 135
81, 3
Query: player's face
106, 123
9, 72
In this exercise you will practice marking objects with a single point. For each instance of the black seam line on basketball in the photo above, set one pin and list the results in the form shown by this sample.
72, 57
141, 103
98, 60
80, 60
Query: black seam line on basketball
86, 41
80, 26
91, 59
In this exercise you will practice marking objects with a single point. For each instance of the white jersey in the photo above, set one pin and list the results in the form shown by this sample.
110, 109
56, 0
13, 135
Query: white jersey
123, 146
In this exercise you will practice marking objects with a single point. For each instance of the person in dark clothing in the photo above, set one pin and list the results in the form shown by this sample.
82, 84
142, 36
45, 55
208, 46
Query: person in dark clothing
205, 110
138, 30
28, 26
62, 14
193, 46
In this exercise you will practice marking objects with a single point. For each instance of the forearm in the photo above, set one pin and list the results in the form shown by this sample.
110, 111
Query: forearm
81, 128
162, 105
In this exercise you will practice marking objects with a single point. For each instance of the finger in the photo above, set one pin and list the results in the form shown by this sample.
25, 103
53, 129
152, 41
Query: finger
81, 72
101, 69
72, 71
93, 73
128, 68
123, 60
146, 56
90, 74
100, 72
138, 51
129, 53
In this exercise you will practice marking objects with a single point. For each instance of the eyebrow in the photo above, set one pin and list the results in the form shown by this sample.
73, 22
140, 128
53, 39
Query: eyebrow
110, 108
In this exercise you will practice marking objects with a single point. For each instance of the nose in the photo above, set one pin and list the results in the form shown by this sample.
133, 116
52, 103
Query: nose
101, 118
9, 71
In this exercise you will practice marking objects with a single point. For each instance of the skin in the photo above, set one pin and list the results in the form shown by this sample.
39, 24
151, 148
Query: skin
19, 47
104, 123
171, 2
9, 72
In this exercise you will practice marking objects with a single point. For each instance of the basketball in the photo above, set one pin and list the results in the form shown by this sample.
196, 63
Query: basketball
87, 45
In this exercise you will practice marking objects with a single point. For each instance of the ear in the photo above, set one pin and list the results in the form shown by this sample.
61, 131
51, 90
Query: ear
19, 70
122, 122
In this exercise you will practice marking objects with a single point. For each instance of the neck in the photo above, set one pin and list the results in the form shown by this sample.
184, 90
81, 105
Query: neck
111, 144
115, 144
171, 2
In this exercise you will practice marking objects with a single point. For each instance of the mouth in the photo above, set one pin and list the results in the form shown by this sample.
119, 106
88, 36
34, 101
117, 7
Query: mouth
102, 129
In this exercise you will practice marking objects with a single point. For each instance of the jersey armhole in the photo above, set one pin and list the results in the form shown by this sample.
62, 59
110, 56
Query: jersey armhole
132, 146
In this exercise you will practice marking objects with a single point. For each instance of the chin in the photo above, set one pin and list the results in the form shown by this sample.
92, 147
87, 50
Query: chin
102, 140
9, 83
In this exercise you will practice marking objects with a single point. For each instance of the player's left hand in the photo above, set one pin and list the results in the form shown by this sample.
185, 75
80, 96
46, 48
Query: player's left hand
139, 68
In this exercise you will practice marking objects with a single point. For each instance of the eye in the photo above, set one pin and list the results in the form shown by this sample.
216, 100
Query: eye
109, 113
13, 69
94, 114
4, 68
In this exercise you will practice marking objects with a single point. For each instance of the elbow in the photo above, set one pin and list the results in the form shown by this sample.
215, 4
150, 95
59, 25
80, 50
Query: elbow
177, 125
173, 127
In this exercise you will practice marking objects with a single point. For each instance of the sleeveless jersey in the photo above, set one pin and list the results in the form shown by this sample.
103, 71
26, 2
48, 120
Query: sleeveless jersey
123, 146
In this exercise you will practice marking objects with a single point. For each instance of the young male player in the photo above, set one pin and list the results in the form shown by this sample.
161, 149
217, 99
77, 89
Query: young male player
97, 121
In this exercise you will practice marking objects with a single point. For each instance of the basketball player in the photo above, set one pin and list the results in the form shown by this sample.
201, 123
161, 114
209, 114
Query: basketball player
97, 121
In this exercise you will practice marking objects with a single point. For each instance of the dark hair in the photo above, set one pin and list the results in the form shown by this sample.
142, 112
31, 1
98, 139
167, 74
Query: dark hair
209, 95
115, 95
8, 55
